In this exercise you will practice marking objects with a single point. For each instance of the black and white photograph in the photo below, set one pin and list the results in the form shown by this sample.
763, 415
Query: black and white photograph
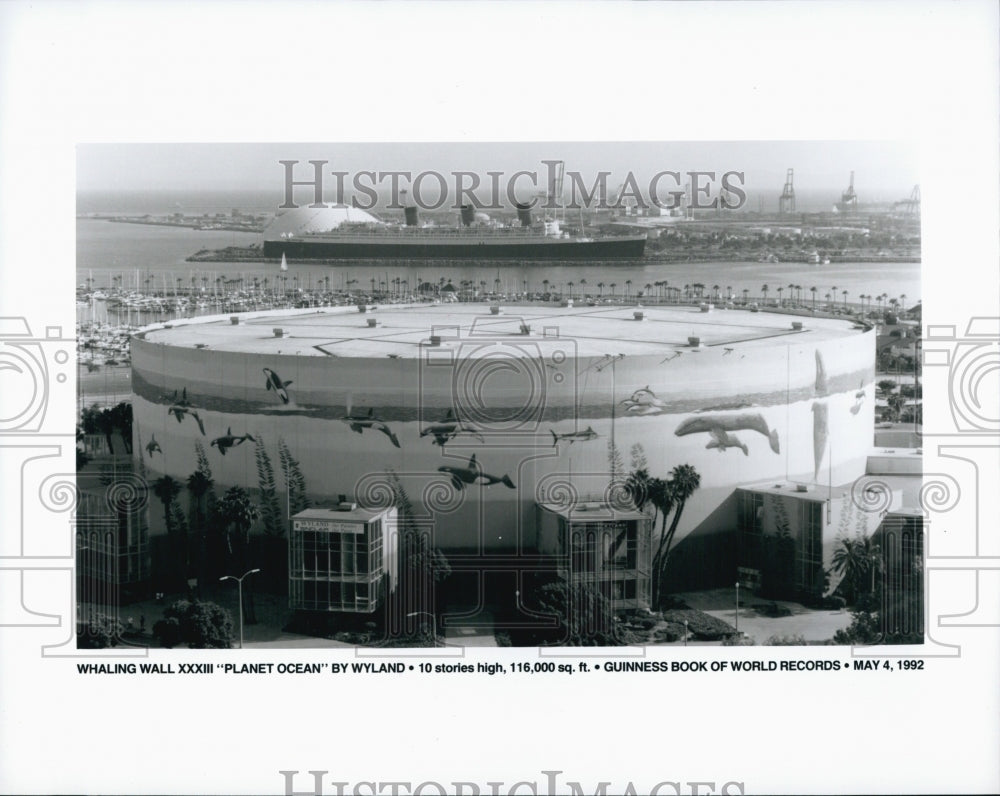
527, 406
395, 397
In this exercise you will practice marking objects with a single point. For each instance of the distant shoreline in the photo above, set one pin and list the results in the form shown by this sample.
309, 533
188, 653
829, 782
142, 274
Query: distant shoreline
238, 254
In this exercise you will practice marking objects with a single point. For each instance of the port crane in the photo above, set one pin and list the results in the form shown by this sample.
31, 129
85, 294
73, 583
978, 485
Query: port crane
849, 199
786, 203
910, 206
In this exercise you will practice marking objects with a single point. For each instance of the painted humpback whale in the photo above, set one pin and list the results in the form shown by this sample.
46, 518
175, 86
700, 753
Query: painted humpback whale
716, 424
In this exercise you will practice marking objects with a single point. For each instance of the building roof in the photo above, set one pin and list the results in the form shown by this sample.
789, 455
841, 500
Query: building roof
301, 220
592, 511
405, 330
356, 514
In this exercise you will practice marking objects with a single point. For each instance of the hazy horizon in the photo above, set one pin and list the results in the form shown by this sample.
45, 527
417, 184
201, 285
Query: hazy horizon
884, 171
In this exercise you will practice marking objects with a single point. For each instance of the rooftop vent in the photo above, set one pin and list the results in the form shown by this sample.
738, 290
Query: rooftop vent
435, 339
494, 309
797, 325
372, 322
362, 307
278, 331
234, 320
637, 315
346, 505
705, 307
801, 487
525, 329
694, 342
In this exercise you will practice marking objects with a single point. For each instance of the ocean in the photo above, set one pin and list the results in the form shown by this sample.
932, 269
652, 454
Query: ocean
154, 257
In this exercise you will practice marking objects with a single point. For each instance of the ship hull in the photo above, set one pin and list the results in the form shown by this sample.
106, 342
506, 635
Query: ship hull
624, 248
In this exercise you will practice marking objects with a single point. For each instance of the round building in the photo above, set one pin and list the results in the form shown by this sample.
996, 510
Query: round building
480, 415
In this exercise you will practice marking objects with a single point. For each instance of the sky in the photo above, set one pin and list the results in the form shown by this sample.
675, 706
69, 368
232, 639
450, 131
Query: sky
884, 171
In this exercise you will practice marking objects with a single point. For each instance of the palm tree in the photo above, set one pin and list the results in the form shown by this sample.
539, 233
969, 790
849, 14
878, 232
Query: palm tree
902, 300
199, 483
570, 284
600, 289
764, 289
780, 299
813, 290
236, 514
167, 489
613, 285
857, 560
628, 287
672, 494
844, 294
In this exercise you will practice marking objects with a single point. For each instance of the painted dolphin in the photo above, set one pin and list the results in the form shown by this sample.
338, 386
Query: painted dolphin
821, 432
359, 423
473, 473
153, 446
573, 436
822, 383
722, 440
643, 397
710, 424
227, 441
859, 398
275, 383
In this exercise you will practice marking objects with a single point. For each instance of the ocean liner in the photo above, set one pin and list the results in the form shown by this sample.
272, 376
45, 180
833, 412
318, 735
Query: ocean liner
476, 238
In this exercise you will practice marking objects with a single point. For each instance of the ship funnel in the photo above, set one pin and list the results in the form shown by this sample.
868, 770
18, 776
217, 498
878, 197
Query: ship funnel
468, 215
411, 215
524, 214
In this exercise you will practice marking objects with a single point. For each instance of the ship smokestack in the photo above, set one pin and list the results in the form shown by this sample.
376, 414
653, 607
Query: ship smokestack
468, 215
524, 214
411, 215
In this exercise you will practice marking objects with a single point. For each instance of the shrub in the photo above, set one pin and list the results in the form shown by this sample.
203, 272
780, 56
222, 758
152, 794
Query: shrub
739, 641
794, 640
671, 632
701, 626
168, 632
772, 610
100, 632
197, 624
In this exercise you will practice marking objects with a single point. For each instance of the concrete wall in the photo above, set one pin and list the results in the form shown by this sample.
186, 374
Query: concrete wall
517, 394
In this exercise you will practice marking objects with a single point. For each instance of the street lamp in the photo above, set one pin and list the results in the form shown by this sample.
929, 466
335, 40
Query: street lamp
239, 583
433, 622
737, 608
